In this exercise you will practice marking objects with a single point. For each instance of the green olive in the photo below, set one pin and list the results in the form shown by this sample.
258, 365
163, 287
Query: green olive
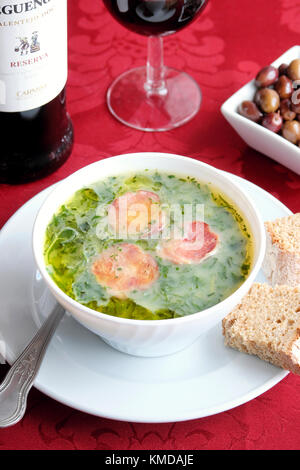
267, 100
293, 70
291, 131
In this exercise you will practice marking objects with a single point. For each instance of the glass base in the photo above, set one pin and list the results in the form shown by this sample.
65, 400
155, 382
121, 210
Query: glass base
131, 103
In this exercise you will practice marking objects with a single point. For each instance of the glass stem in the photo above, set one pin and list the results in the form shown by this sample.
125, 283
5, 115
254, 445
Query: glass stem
155, 83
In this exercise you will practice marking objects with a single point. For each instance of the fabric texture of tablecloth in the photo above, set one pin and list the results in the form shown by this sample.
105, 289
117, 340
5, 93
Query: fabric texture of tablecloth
223, 50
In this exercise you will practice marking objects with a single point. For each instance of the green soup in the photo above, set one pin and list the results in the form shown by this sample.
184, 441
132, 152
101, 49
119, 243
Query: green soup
181, 282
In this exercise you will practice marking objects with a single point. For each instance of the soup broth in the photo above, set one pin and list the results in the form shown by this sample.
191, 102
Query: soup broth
148, 246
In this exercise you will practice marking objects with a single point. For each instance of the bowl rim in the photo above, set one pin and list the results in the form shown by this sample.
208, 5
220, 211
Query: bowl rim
228, 109
65, 299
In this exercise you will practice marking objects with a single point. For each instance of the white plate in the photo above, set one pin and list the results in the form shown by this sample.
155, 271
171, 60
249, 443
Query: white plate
81, 371
257, 136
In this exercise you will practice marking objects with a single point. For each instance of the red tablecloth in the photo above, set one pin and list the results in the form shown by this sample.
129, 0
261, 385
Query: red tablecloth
222, 51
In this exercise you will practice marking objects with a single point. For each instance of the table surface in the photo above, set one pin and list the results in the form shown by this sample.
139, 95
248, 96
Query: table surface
222, 50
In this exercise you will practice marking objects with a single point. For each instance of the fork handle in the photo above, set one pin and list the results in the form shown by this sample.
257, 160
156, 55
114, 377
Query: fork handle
15, 387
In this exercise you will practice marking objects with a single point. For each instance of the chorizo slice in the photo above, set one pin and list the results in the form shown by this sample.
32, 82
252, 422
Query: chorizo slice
136, 215
125, 267
198, 243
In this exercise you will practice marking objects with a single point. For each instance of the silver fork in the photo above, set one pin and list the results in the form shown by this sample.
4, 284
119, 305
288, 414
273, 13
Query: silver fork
15, 387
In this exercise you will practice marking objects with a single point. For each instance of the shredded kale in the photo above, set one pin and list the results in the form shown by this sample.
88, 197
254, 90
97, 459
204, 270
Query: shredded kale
79, 231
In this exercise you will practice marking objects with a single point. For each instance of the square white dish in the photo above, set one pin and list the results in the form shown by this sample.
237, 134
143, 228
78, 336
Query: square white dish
257, 136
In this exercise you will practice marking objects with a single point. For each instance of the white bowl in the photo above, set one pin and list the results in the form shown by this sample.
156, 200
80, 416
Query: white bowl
148, 337
257, 136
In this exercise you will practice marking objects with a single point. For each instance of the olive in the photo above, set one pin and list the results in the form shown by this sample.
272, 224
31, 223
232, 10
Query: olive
267, 100
249, 110
291, 131
286, 110
283, 69
267, 76
272, 121
296, 102
295, 98
284, 87
293, 70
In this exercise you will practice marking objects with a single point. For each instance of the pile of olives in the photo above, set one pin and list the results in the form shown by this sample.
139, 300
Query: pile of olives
276, 103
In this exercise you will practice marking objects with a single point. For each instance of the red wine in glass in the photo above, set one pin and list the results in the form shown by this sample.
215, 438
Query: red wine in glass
155, 17
155, 97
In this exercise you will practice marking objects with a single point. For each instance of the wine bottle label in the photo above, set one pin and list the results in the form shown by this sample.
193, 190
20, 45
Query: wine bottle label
33, 53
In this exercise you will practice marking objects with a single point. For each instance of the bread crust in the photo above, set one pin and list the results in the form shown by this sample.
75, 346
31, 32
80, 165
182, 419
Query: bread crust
242, 328
281, 264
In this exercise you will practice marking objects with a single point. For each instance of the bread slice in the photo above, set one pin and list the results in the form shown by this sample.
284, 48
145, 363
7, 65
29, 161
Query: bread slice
282, 259
267, 324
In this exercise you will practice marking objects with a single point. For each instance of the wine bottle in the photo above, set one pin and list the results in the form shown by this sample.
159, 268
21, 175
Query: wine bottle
36, 132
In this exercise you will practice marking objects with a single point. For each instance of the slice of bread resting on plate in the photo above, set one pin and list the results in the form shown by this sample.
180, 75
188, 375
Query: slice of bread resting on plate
282, 260
267, 324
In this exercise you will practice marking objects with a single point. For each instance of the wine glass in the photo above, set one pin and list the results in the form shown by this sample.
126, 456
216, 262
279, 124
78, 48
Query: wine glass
154, 97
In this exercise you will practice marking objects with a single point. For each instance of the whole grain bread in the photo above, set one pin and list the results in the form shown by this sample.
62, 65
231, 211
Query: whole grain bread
267, 324
282, 259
